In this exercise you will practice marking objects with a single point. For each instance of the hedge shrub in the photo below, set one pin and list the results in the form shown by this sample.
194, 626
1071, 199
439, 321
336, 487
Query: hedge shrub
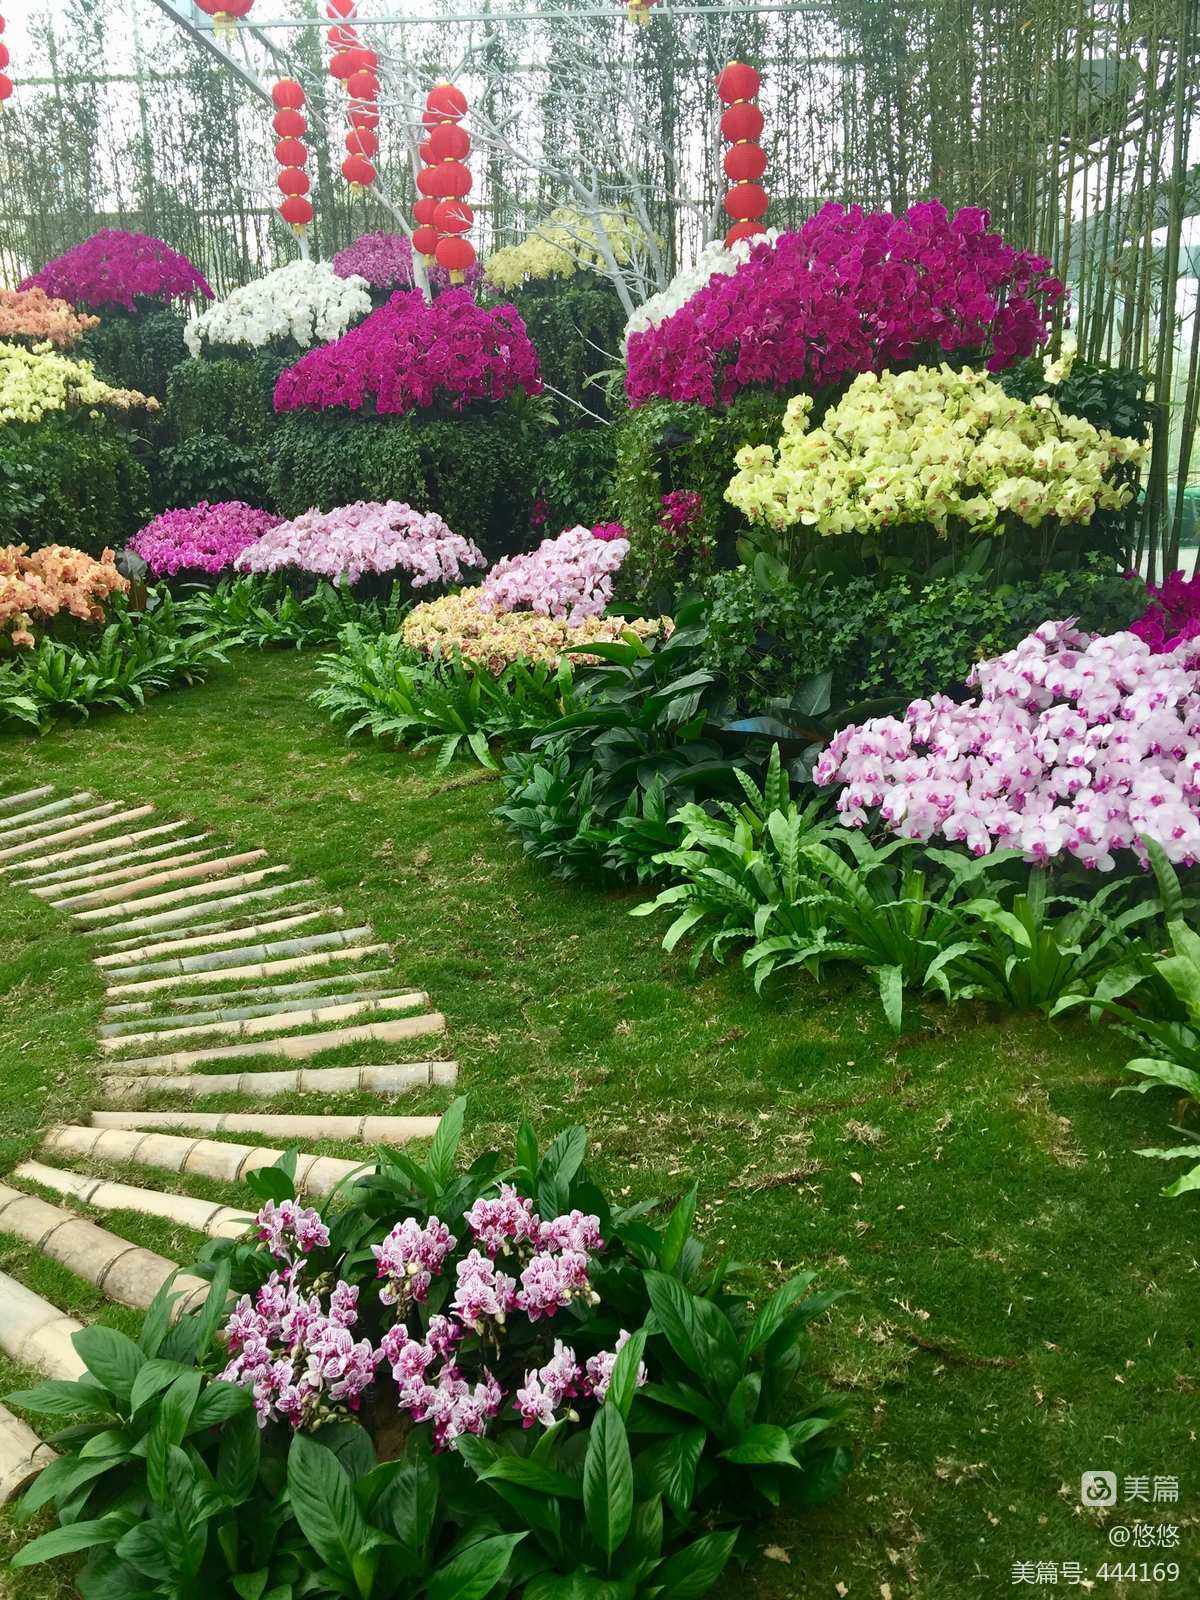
575, 477
70, 481
663, 446
233, 397
209, 466
578, 328
136, 352
478, 472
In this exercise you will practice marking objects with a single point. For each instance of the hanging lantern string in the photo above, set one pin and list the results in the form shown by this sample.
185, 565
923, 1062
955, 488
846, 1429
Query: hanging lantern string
291, 153
745, 161
6, 83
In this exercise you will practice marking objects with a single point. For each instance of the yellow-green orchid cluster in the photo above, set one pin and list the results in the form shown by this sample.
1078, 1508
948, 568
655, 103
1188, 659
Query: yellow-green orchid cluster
35, 382
932, 447
565, 243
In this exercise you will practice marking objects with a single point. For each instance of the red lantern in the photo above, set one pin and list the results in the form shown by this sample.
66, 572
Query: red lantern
448, 142
737, 81
341, 8
741, 121
446, 101
297, 211
745, 161
425, 151
362, 143
6, 88
425, 241
292, 181
344, 65
424, 210
453, 180
456, 255
743, 230
367, 60
3, 55
746, 201
291, 153
427, 182
358, 172
287, 95
453, 216
342, 38
364, 116
290, 124
363, 85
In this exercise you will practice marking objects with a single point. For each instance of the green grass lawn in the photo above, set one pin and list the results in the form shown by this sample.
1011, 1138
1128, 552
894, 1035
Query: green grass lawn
1024, 1302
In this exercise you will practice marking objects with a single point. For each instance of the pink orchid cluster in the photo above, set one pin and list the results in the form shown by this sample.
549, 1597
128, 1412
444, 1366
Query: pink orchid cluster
368, 536
1076, 743
201, 538
300, 1362
408, 354
548, 1388
569, 578
115, 268
385, 260
849, 292
1173, 615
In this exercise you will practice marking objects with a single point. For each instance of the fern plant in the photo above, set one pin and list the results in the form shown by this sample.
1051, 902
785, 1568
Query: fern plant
261, 613
374, 685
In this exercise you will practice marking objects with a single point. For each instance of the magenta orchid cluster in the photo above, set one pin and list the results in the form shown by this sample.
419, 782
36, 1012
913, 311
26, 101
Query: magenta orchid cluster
680, 509
1077, 743
202, 538
408, 354
368, 536
849, 292
304, 1366
1173, 615
115, 268
385, 260
609, 531
569, 578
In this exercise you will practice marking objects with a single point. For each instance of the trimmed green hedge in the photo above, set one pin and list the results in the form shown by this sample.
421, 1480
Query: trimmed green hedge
577, 327
136, 352
70, 481
478, 472
233, 397
575, 477
664, 446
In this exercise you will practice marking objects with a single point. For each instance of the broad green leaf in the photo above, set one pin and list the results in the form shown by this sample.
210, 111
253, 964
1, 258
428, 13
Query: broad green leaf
444, 1149
669, 1468
773, 1311
692, 1571
624, 1381
324, 1505
531, 1475
608, 1480
154, 1377
679, 1226
111, 1356
475, 1571
761, 1445
61, 1397
238, 1457
69, 1540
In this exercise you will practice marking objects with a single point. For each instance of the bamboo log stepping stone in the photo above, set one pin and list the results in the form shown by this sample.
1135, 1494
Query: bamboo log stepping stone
22, 1456
194, 939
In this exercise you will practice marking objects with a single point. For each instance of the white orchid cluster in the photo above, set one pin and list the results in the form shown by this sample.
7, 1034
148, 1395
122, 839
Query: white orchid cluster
712, 261
305, 302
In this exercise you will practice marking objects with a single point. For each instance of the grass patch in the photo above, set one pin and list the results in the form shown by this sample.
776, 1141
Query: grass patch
1023, 1310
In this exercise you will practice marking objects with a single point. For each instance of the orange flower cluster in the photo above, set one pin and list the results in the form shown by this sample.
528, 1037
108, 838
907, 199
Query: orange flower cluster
33, 314
36, 588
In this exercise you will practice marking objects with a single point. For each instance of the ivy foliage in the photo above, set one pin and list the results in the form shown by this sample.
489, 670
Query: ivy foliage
664, 446
232, 397
136, 350
575, 477
577, 326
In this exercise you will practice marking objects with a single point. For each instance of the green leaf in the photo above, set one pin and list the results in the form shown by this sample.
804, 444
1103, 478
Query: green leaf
475, 1571
677, 1230
608, 1480
214, 1310
110, 1356
62, 1397
692, 1571
324, 1504
69, 1540
669, 1468
761, 1445
444, 1148
624, 1381
60, 1479
238, 1457
154, 1377
250, 1585
219, 1402
529, 1474
772, 1313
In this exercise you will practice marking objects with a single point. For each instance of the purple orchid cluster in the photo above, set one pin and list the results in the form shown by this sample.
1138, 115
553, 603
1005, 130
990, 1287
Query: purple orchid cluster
303, 1364
368, 536
385, 260
201, 538
1077, 743
569, 578
115, 268
609, 531
408, 354
849, 292
1173, 615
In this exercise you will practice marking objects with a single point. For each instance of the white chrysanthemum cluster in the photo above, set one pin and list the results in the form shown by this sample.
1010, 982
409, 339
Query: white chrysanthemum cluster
713, 260
305, 302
